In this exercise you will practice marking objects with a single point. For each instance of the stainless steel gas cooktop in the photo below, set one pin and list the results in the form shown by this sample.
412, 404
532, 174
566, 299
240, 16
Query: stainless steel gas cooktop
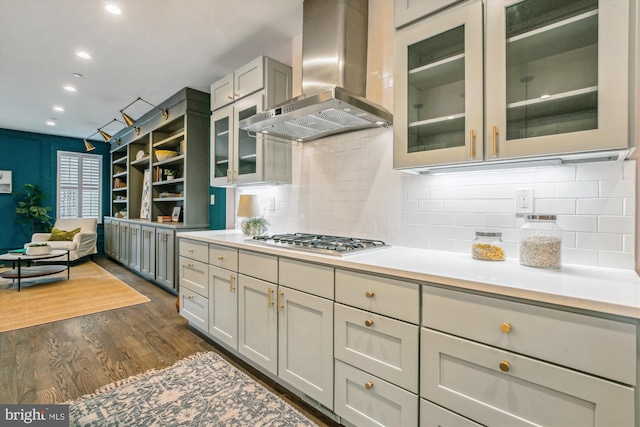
319, 243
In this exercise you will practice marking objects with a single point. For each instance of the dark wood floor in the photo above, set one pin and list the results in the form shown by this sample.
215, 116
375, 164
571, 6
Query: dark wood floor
64, 360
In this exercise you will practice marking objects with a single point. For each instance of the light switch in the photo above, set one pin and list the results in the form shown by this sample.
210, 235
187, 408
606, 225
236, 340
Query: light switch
213, 199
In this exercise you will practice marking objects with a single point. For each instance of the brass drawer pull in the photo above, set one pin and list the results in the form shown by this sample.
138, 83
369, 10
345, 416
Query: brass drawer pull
368, 322
269, 302
190, 250
190, 264
280, 303
495, 141
368, 385
369, 294
504, 366
190, 296
505, 327
472, 136
231, 288
220, 257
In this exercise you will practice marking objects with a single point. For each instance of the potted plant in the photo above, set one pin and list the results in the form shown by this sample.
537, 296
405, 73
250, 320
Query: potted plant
30, 210
254, 226
170, 173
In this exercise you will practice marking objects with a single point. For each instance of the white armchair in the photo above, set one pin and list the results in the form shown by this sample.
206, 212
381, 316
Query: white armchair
84, 243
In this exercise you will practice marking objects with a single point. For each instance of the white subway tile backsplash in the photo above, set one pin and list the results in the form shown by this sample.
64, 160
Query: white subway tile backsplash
599, 241
616, 224
577, 189
578, 223
555, 206
346, 184
600, 206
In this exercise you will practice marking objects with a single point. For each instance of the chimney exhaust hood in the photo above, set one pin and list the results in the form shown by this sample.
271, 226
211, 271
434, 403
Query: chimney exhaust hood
334, 75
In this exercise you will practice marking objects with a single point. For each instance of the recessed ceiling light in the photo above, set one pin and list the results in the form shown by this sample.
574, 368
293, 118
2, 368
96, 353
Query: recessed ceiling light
58, 108
83, 55
70, 88
112, 8
51, 123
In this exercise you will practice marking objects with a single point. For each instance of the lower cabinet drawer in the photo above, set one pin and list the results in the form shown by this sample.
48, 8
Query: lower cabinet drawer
436, 416
194, 308
496, 387
385, 347
258, 265
194, 276
368, 401
582, 342
194, 250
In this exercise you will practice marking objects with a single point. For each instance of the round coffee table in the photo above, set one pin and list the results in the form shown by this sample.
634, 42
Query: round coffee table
22, 268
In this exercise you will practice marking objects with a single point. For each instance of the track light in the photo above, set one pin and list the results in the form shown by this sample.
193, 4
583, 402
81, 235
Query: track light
89, 146
105, 135
130, 120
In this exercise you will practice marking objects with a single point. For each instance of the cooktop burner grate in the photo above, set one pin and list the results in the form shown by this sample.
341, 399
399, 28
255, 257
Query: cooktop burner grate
333, 245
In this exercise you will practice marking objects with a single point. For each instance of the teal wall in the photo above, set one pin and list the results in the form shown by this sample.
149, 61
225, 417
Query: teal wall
32, 158
218, 211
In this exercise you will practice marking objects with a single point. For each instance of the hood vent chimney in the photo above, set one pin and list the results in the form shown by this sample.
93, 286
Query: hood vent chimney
334, 75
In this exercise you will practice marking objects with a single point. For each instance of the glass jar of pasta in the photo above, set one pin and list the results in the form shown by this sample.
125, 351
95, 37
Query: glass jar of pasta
487, 246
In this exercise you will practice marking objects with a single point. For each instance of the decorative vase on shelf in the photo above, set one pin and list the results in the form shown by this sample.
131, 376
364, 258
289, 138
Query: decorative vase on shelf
254, 226
170, 177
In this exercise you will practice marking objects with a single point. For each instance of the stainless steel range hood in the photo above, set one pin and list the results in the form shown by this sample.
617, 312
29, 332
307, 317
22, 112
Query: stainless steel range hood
334, 74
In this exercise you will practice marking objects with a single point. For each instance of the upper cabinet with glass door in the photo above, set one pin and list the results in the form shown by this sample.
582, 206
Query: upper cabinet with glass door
239, 157
557, 77
439, 90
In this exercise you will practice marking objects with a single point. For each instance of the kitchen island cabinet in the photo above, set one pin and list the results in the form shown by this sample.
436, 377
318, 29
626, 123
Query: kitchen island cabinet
410, 326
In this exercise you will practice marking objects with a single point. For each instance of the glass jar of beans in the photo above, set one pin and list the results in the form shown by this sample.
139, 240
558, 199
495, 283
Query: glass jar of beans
541, 242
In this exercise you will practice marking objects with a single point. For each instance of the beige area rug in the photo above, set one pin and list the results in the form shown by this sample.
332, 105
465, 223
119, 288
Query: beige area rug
91, 289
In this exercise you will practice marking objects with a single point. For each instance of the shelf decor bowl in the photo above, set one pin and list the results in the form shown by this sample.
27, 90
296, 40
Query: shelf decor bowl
38, 249
162, 155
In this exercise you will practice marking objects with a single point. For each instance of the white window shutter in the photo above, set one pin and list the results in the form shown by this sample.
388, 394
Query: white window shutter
79, 185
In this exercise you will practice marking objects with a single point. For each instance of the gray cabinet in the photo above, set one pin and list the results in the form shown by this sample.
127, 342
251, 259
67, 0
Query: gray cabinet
148, 252
166, 257
238, 157
135, 242
407, 11
123, 243
155, 148
556, 77
242, 82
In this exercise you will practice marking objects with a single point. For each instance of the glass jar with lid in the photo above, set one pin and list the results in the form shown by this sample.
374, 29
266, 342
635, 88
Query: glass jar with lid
541, 242
487, 246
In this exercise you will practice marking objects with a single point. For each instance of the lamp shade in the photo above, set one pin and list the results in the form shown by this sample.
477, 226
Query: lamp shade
248, 206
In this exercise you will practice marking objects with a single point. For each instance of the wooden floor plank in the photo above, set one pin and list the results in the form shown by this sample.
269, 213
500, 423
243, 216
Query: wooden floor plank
61, 361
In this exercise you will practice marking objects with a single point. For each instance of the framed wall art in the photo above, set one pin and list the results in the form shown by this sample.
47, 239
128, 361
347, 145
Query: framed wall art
5, 182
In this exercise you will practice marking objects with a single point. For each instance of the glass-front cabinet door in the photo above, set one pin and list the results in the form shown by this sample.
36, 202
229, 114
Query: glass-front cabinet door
221, 149
439, 90
557, 77
248, 149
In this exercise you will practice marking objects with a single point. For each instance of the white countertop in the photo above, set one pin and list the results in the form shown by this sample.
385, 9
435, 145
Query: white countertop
605, 290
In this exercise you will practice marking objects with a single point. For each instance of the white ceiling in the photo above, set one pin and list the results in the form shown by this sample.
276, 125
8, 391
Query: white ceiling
152, 50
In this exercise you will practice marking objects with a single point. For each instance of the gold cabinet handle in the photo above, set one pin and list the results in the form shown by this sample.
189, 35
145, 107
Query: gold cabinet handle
220, 257
495, 141
505, 365
369, 294
190, 264
505, 327
269, 302
190, 250
229, 97
280, 303
472, 137
368, 322
190, 296
236, 95
368, 385
231, 288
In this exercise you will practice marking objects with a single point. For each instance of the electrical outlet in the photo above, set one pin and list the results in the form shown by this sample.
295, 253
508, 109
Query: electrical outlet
524, 201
